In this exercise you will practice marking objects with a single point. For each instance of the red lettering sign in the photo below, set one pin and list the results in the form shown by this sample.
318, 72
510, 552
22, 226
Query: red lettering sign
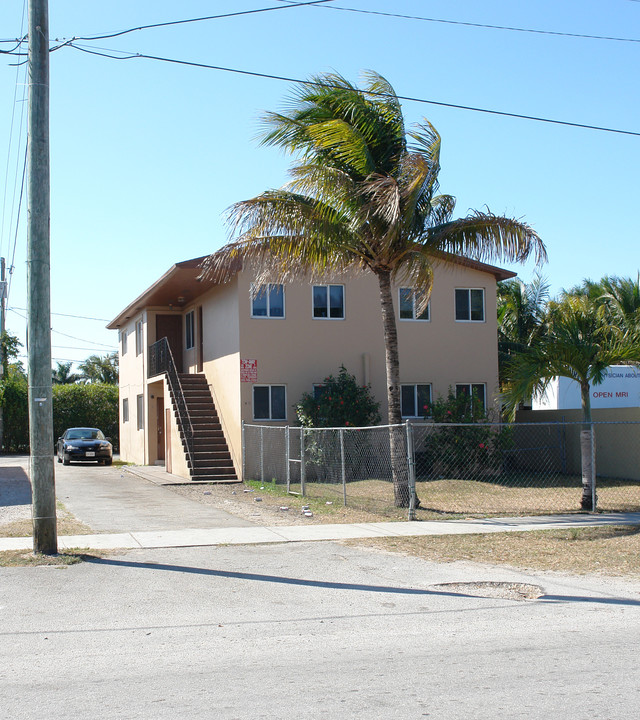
248, 371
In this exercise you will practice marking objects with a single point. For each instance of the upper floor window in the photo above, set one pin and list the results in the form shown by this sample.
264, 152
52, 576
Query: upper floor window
268, 301
409, 302
189, 330
328, 302
476, 392
415, 400
139, 337
269, 402
123, 341
470, 304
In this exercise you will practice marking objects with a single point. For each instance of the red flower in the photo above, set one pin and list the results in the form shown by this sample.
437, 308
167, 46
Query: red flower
346, 422
448, 412
481, 446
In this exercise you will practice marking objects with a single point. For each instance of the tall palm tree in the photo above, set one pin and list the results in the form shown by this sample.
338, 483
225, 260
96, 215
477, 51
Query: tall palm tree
363, 196
580, 343
100, 369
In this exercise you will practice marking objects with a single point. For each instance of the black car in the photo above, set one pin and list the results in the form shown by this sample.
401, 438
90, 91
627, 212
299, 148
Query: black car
84, 444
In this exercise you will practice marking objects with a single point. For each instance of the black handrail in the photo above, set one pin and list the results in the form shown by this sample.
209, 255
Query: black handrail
161, 360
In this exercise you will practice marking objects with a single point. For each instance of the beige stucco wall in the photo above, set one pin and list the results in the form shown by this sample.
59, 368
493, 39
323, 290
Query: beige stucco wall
133, 383
298, 350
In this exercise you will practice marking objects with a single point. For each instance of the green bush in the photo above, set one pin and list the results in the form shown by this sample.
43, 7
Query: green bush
471, 448
90, 405
339, 402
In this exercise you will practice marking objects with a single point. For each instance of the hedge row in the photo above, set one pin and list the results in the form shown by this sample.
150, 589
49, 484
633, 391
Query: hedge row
91, 405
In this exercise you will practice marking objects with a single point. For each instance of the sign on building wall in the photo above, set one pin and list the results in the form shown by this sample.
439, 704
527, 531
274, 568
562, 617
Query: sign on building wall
248, 371
620, 388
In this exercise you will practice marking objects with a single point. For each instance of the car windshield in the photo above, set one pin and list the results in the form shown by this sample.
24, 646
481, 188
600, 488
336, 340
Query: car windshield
85, 434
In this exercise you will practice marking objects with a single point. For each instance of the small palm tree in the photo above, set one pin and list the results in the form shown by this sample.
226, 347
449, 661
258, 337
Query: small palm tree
100, 369
580, 343
521, 313
364, 196
62, 375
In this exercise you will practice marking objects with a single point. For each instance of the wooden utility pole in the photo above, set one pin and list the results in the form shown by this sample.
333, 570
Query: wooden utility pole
3, 295
41, 466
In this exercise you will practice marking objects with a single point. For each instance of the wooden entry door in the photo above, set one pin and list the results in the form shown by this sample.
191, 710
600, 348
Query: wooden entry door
170, 326
200, 361
160, 426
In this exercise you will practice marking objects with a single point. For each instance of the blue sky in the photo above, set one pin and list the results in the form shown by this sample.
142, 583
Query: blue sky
147, 155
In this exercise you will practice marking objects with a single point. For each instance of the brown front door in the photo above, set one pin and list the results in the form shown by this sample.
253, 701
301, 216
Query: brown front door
170, 326
200, 340
160, 424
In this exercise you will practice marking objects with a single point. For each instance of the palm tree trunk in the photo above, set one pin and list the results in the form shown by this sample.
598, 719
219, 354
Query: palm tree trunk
586, 449
397, 440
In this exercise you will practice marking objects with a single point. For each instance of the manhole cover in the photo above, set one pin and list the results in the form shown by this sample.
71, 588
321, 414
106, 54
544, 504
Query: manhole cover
506, 590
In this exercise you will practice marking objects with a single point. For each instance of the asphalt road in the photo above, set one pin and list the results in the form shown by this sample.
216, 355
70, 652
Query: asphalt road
111, 500
311, 630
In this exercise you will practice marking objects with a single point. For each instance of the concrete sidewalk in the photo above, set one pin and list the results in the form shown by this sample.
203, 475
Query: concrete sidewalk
299, 533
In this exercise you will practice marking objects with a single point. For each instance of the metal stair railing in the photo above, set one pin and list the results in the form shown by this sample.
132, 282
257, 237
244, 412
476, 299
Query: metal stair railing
161, 360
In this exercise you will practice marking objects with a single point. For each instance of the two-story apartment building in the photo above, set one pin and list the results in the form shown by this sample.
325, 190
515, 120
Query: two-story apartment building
242, 355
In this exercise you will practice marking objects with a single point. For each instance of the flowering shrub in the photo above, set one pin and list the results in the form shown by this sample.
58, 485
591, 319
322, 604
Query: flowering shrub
339, 402
471, 448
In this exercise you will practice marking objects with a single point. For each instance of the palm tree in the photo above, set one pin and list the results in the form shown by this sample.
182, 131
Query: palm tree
62, 375
521, 312
364, 196
98, 369
579, 343
620, 296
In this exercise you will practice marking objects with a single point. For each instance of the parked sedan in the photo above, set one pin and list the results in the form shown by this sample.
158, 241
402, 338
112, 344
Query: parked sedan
84, 444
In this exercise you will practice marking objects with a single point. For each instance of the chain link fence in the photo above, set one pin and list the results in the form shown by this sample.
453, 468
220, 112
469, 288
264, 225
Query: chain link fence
455, 469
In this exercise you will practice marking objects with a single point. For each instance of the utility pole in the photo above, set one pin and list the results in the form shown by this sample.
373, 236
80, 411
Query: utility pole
3, 297
41, 467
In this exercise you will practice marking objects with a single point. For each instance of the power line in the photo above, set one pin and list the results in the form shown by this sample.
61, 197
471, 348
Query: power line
400, 97
72, 337
480, 25
79, 317
198, 19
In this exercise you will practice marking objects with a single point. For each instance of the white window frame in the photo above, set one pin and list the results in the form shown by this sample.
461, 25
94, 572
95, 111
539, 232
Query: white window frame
125, 410
254, 294
123, 341
190, 330
253, 402
413, 317
328, 287
469, 291
415, 387
140, 412
471, 386
139, 337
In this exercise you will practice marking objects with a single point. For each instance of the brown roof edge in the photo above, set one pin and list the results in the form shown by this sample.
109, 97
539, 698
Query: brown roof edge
497, 272
142, 300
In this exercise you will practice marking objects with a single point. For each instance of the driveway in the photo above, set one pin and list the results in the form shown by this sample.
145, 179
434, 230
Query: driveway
109, 499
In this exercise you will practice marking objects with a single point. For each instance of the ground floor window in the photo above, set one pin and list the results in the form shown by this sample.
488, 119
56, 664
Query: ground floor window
476, 392
125, 410
140, 411
415, 400
269, 402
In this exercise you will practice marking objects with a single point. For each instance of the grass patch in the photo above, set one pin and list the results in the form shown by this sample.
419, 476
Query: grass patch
26, 558
67, 524
581, 551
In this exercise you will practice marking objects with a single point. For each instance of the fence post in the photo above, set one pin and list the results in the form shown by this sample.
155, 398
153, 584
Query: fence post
594, 496
262, 455
412, 472
244, 451
303, 471
287, 440
344, 474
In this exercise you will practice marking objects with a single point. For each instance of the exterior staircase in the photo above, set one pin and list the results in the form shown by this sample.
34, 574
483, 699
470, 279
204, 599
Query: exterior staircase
211, 457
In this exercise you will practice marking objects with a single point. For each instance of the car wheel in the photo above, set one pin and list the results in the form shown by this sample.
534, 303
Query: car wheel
65, 459
108, 461
59, 458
